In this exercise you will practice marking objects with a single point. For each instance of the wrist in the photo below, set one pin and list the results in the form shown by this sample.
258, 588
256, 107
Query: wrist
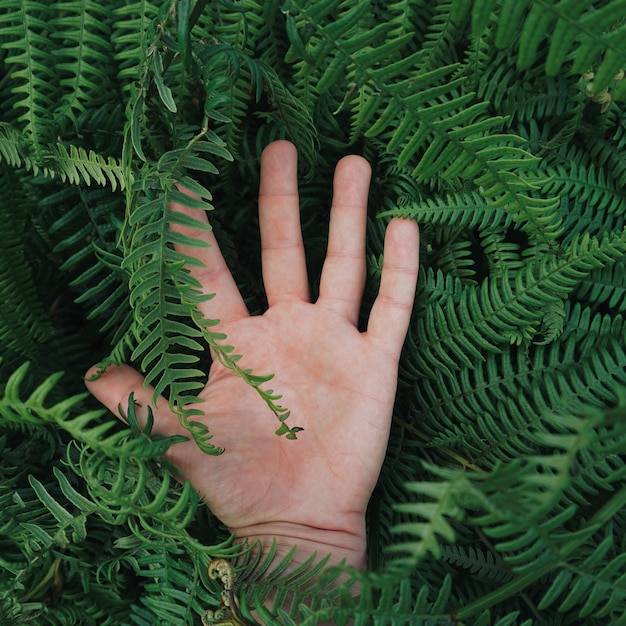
340, 545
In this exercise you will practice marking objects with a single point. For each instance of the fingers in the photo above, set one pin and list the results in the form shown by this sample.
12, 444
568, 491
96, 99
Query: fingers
343, 274
282, 249
114, 387
391, 312
211, 272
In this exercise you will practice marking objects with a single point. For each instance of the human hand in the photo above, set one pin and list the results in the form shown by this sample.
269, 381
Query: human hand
339, 383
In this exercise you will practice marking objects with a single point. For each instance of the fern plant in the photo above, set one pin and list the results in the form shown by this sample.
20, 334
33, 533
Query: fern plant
498, 125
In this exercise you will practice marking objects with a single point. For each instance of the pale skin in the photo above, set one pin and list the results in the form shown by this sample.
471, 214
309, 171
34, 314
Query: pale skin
338, 382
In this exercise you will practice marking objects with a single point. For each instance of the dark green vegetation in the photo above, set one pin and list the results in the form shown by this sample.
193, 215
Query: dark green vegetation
498, 124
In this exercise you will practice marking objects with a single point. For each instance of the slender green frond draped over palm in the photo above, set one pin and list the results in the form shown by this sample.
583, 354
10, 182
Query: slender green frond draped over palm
498, 125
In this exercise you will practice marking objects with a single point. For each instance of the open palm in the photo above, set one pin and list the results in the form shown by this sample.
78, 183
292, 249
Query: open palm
338, 382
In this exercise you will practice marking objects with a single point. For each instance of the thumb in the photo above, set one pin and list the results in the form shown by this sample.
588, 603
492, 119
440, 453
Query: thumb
113, 388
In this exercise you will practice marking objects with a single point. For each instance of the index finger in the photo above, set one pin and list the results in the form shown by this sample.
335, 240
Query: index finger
212, 272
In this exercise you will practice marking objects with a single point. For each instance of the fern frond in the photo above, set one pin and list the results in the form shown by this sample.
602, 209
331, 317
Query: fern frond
77, 165
174, 585
586, 185
506, 88
501, 253
404, 17
25, 324
81, 56
453, 138
131, 21
607, 152
595, 586
108, 438
396, 601
517, 307
430, 519
484, 565
13, 147
85, 235
606, 286
87, 427
541, 559
24, 30
72, 163
172, 564
247, 82
16, 411
311, 595
289, 114
478, 55
126, 492
453, 255
163, 294
266, 582
579, 32
496, 397
156, 281
437, 45
591, 430
323, 36
226, 356
40, 551
469, 210
67, 522
109, 507
232, 95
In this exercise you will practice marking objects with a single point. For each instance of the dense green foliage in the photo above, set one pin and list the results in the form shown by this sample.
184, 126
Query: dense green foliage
497, 124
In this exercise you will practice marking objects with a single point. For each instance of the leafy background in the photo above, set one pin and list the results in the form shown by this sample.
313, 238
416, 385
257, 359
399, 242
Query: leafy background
498, 125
